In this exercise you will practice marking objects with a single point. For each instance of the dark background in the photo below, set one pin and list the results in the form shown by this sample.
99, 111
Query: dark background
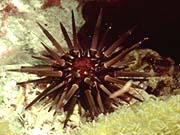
159, 20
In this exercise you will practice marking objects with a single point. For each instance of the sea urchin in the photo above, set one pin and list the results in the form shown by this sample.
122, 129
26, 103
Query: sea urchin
96, 78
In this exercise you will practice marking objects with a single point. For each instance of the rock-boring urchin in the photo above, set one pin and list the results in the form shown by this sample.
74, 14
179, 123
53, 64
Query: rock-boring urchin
97, 78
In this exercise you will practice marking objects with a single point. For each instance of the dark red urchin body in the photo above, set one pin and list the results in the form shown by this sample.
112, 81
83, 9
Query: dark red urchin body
49, 3
95, 78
